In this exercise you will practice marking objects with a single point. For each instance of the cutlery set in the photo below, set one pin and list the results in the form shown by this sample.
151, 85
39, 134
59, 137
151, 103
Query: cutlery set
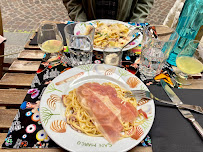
186, 113
140, 94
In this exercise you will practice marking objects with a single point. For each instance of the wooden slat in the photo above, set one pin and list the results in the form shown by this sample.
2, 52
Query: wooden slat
2, 138
141, 149
31, 47
195, 84
6, 117
16, 80
23, 66
10, 97
31, 55
34, 33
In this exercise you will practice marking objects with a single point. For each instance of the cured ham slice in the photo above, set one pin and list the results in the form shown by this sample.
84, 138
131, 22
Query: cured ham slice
105, 109
128, 111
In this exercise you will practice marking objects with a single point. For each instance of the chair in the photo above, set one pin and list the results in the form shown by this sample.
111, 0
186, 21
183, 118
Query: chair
1, 47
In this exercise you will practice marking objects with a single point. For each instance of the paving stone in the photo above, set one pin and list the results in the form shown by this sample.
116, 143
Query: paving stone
157, 15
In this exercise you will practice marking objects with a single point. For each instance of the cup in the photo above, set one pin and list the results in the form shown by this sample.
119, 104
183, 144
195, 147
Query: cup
79, 38
112, 56
50, 41
158, 41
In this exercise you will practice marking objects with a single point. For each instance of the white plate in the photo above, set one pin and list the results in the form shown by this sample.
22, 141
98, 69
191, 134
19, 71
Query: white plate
73, 140
81, 27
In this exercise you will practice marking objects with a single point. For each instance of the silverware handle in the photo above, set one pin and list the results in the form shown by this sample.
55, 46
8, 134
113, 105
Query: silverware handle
186, 106
192, 107
197, 127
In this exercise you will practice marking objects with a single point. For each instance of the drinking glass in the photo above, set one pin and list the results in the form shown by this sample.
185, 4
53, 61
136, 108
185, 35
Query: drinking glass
189, 61
79, 38
158, 40
50, 41
112, 56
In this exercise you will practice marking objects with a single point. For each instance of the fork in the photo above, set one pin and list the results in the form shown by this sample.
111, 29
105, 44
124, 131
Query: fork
143, 94
133, 32
137, 36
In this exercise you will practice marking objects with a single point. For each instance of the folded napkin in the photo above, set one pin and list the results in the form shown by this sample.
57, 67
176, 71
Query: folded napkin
171, 132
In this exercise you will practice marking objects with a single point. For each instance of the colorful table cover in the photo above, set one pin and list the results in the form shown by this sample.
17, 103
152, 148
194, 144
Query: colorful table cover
26, 129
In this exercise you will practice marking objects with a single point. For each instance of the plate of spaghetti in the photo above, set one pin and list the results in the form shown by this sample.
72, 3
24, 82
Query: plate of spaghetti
85, 109
110, 34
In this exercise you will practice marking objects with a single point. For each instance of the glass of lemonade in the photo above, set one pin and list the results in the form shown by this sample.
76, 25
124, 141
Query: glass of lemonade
189, 61
80, 38
50, 41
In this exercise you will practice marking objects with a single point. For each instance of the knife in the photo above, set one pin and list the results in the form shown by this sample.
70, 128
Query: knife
186, 113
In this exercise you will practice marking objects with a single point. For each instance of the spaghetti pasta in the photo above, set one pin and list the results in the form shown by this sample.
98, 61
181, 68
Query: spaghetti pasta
80, 120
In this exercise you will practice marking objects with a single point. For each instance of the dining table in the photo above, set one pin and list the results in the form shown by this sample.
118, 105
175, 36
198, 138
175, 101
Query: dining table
17, 82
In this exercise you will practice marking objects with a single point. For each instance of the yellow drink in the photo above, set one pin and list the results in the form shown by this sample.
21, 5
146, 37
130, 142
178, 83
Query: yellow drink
189, 65
52, 46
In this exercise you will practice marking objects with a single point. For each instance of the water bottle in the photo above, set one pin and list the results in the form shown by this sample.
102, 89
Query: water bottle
190, 27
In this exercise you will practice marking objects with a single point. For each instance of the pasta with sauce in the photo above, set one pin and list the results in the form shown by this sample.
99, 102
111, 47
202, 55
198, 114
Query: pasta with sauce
111, 35
78, 118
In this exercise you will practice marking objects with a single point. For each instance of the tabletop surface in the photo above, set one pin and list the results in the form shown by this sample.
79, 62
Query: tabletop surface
17, 80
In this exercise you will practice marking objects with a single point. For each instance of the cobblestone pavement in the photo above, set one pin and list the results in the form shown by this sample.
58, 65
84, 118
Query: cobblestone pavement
24, 15
159, 11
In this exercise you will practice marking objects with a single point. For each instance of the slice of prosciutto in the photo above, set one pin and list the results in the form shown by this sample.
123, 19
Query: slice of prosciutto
105, 109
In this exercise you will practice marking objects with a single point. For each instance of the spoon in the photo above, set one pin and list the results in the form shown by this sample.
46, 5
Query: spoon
130, 41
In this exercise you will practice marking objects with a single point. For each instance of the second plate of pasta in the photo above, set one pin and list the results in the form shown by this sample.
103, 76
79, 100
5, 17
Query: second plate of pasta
111, 34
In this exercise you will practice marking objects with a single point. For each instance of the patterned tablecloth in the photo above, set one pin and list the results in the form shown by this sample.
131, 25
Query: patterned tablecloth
26, 129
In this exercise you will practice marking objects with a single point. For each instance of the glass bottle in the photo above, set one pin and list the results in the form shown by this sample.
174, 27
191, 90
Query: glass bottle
189, 24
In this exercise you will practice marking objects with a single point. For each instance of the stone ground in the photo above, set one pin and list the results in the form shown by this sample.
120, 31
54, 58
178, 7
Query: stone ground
21, 18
